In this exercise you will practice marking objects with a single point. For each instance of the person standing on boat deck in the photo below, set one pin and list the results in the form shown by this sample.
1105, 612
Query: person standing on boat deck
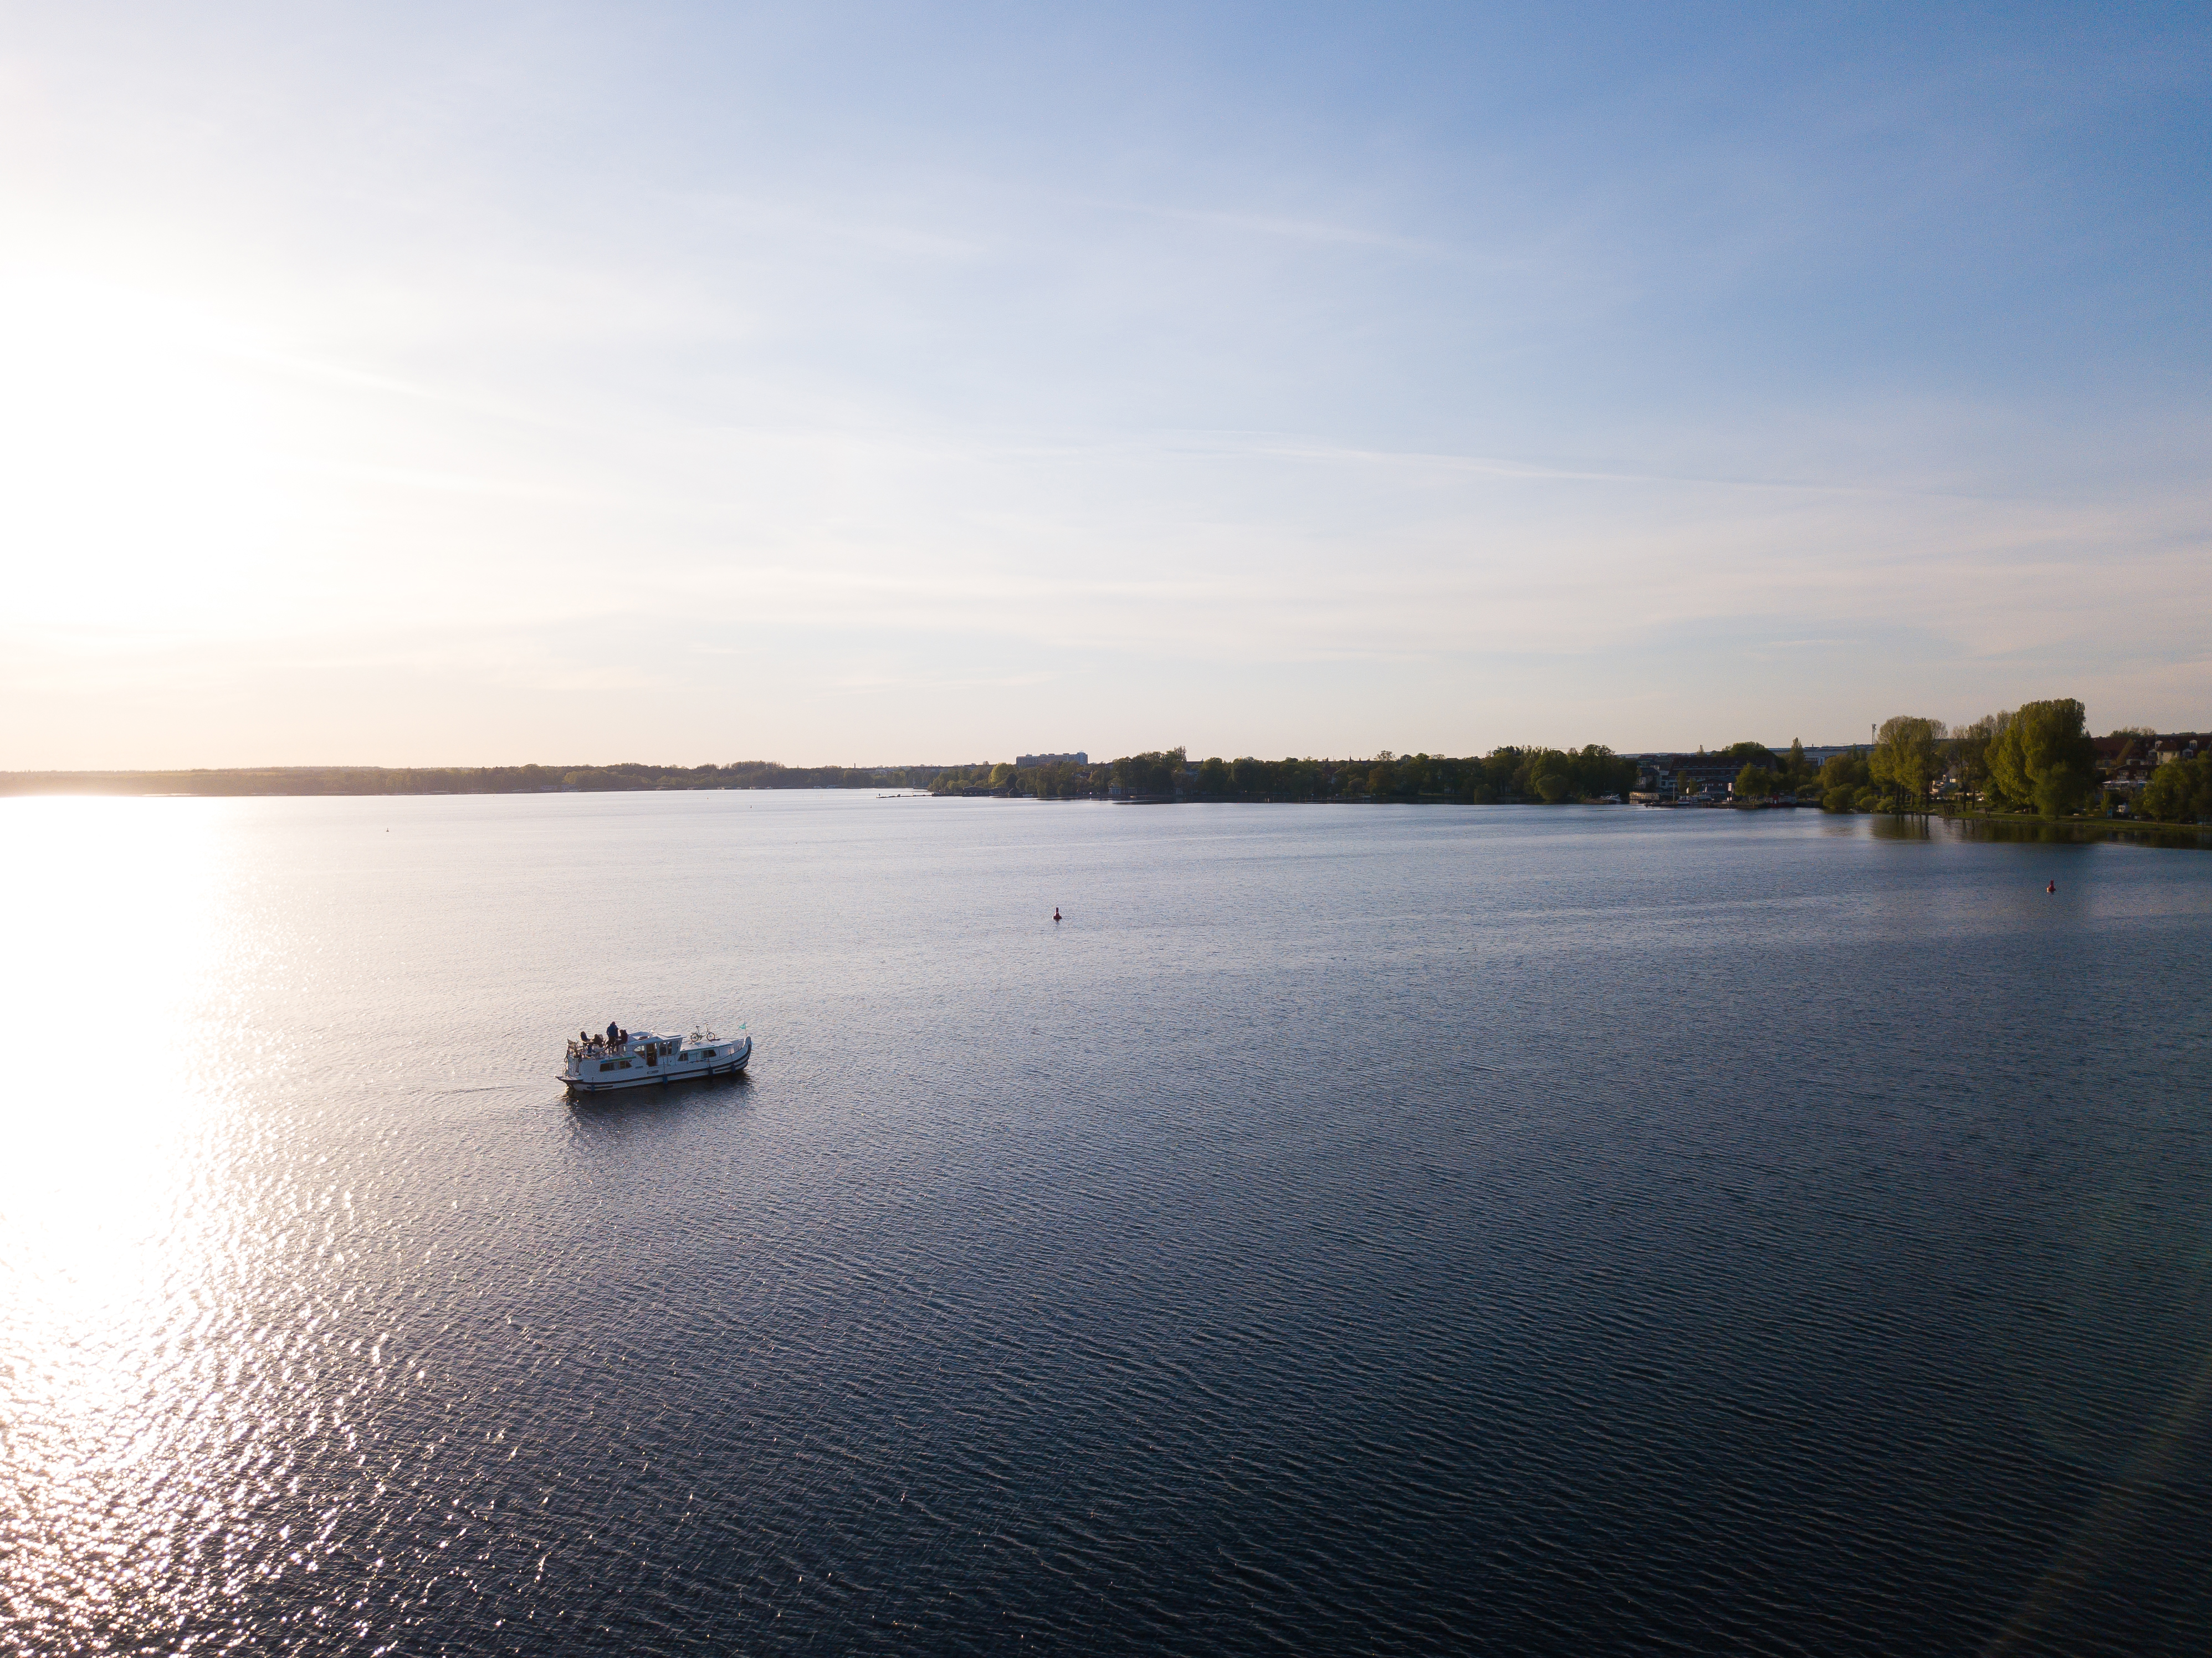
613, 1029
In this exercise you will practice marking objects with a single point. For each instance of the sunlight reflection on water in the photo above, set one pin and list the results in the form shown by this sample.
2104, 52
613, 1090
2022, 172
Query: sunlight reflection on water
117, 1235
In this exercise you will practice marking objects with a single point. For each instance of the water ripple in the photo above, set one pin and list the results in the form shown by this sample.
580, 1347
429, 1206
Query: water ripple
1388, 1231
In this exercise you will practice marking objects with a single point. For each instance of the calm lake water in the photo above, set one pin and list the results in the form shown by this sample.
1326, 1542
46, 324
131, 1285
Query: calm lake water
1354, 1230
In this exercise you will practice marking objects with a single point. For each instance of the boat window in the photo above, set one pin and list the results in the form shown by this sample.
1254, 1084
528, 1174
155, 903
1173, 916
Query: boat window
606, 1064
625, 1065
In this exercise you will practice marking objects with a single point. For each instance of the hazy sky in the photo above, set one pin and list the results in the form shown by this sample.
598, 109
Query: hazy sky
821, 383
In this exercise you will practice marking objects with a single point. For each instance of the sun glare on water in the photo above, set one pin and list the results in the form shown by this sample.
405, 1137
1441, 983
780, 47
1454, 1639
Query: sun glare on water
115, 1251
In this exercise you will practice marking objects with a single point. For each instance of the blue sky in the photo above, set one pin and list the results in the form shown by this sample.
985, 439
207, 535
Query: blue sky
874, 384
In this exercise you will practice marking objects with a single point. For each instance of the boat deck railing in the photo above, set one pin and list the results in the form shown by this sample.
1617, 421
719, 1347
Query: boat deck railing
636, 1045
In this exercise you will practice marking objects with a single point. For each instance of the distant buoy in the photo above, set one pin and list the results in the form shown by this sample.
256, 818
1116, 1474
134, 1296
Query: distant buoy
2053, 887
1055, 912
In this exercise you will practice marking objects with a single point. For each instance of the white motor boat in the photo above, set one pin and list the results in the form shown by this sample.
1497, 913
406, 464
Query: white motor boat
639, 1057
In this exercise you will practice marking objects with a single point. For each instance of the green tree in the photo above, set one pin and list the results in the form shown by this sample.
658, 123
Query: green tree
1598, 771
1754, 783
2044, 758
1154, 774
1842, 780
1752, 754
1550, 777
2179, 792
1970, 749
1212, 779
1907, 753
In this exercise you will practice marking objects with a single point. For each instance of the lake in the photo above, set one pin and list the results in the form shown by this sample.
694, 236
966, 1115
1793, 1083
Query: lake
1353, 1229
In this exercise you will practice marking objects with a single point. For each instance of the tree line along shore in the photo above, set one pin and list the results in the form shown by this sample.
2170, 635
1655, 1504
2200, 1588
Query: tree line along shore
1506, 775
2038, 759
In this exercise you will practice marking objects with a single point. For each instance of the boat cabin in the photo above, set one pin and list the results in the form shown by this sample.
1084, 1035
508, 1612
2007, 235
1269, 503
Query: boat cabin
648, 1057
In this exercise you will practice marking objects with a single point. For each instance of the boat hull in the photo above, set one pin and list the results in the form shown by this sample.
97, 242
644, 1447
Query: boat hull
641, 1075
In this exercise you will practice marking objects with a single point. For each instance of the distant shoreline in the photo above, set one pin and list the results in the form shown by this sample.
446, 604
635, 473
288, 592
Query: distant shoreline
247, 781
